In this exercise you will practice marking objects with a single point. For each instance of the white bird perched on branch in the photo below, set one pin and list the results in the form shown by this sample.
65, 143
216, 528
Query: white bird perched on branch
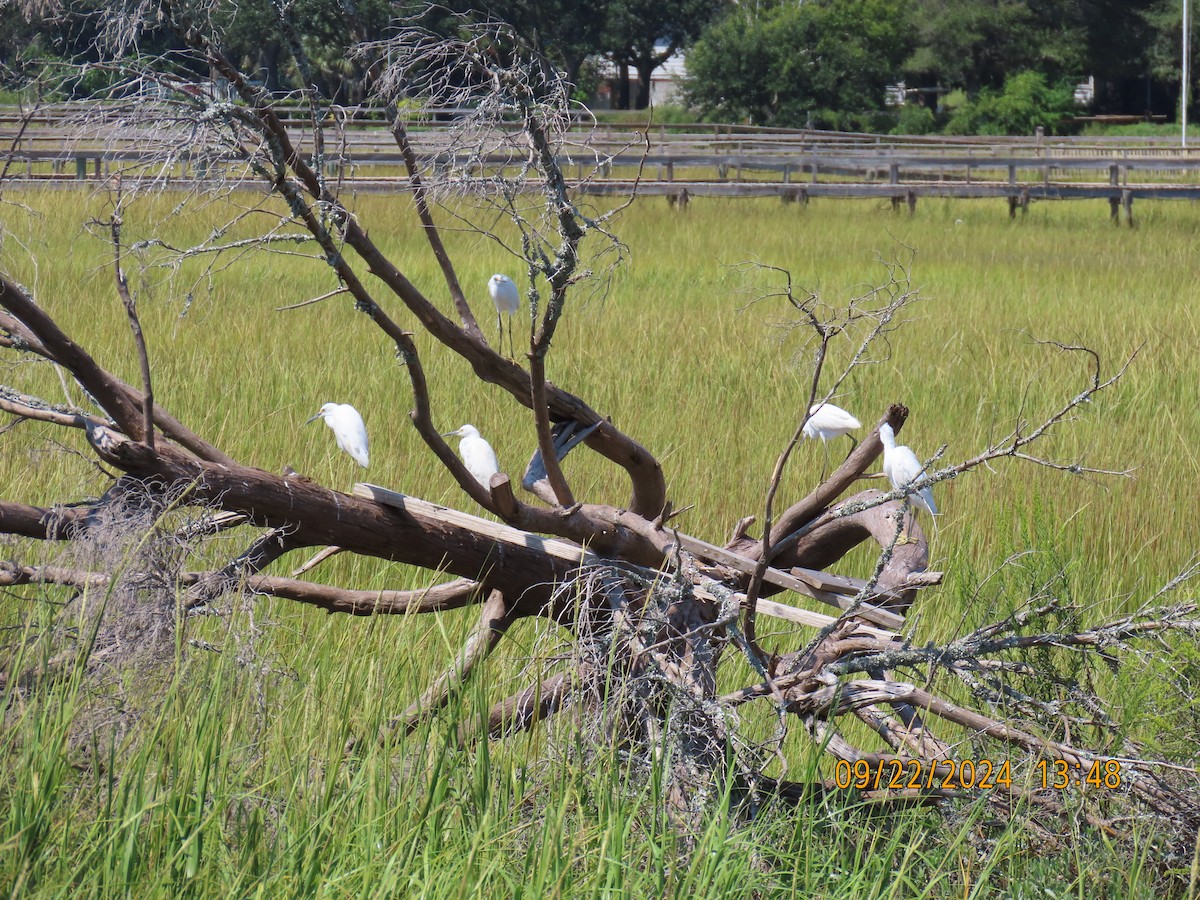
347, 427
477, 454
826, 421
508, 300
902, 467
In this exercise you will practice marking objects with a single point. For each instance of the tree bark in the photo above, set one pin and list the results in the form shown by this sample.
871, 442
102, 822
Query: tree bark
622, 86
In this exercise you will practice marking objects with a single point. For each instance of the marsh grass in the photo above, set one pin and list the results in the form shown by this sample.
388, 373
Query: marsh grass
229, 776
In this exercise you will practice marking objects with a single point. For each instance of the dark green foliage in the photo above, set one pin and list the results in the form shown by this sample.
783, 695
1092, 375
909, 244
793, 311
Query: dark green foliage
1026, 102
642, 34
812, 63
916, 119
1131, 49
974, 44
37, 38
562, 30
821, 61
824, 62
253, 39
636, 36
18, 35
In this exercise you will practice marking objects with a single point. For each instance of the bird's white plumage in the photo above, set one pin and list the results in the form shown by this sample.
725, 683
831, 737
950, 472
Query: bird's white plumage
477, 454
504, 294
348, 428
508, 300
902, 467
826, 421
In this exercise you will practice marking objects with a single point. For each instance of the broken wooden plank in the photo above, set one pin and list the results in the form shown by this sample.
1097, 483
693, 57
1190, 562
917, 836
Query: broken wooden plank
497, 531
835, 590
837, 584
798, 615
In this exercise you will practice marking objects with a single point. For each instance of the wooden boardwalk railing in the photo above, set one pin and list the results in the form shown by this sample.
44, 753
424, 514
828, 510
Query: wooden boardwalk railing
71, 143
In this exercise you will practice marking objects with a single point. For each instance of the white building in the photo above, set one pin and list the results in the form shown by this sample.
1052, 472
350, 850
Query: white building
665, 82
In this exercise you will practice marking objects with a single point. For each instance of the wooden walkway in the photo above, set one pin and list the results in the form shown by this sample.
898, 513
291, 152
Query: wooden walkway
56, 148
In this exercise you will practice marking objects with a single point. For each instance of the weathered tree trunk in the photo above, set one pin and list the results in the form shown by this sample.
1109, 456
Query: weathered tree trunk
645, 69
623, 87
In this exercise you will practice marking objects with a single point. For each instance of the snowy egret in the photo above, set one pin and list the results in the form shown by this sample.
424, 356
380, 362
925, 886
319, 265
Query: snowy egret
508, 300
477, 454
347, 427
902, 467
826, 421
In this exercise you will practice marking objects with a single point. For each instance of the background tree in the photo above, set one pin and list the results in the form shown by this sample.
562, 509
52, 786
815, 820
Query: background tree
251, 36
643, 34
792, 64
976, 44
1160, 63
1120, 38
1024, 104
21, 37
34, 35
563, 31
1131, 49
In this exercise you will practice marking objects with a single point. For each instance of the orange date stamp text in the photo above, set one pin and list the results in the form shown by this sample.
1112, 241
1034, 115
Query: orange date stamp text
970, 774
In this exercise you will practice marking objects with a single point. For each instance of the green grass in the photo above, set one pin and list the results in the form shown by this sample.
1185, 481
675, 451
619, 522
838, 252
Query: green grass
223, 773
1165, 130
663, 114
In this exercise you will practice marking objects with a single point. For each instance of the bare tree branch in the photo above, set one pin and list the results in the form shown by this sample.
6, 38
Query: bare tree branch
493, 622
135, 326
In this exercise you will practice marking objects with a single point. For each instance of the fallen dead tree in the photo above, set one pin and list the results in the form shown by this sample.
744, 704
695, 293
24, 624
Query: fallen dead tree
652, 613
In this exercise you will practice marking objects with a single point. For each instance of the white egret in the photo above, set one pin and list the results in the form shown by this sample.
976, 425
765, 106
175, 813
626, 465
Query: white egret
477, 454
826, 421
902, 467
347, 427
508, 300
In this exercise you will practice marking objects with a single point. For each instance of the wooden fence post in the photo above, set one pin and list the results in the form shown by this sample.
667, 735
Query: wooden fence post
1114, 202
